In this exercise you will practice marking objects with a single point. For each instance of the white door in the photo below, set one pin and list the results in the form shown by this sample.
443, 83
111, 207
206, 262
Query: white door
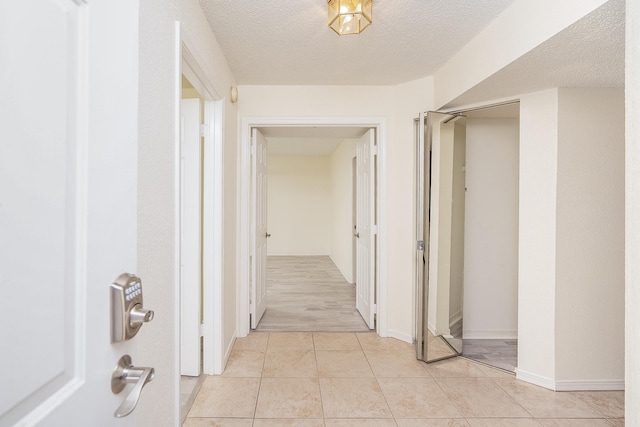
259, 234
366, 227
68, 186
190, 235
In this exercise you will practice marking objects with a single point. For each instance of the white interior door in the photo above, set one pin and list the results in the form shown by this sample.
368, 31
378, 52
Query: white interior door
68, 180
259, 233
190, 237
366, 228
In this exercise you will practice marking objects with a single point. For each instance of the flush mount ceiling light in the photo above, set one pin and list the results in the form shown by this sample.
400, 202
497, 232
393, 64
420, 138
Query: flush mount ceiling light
349, 16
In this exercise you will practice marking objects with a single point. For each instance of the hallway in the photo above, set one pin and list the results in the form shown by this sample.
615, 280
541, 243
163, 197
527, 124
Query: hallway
360, 379
309, 294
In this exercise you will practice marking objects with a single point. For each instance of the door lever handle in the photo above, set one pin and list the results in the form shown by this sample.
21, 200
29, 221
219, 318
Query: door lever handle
267, 235
357, 235
125, 373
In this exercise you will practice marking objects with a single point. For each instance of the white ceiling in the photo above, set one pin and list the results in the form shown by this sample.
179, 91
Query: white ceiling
277, 42
302, 146
308, 140
589, 53
289, 42
507, 111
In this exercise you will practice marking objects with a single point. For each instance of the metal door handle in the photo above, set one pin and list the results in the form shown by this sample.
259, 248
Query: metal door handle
357, 235
139, 315
125, 373
267, 235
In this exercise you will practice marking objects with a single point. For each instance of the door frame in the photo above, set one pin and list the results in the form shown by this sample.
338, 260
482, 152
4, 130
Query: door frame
244, 242
191, 235
212, 204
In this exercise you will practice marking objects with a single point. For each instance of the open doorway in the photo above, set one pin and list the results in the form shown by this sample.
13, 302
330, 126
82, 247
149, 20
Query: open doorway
198, 167
191, 239
471, 222
307, 131
490, 236
310, 271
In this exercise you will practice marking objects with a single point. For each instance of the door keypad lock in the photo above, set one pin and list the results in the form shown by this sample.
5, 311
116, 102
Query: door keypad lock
127, 312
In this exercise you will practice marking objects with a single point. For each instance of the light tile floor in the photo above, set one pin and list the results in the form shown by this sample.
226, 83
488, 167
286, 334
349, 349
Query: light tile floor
189, 387
359, 379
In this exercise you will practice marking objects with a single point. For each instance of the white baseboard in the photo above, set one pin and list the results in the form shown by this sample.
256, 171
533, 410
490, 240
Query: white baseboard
455, 318
589, 385
490, 334
227, 352
455, 324
570, 385
431, 328
399, 336
535, 379
348, 279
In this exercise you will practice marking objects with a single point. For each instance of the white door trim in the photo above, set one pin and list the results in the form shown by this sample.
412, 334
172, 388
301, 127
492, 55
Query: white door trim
191, 235
258, 227
379, 124
213, 359
213, 267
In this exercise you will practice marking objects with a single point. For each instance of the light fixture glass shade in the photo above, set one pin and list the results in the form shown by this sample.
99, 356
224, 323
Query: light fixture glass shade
349, 16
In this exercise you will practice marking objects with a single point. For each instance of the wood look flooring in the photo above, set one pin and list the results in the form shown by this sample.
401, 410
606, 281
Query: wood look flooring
309, 294
502, 354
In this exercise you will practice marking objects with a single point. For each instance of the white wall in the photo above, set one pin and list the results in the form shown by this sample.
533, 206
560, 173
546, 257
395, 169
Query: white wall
158, 343
571, 296
632, 214
299, 205
491, 229
341, 250
537, 236
409, 100
590, 237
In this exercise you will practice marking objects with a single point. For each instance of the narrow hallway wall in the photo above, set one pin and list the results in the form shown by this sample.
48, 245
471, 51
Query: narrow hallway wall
299, 205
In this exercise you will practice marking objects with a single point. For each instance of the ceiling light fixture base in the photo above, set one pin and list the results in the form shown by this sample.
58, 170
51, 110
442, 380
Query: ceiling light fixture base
349, 16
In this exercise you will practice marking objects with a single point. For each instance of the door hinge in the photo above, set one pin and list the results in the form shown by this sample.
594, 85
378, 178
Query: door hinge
201, 329
204, 131
375, 150
375, 308
420, 245
374, 229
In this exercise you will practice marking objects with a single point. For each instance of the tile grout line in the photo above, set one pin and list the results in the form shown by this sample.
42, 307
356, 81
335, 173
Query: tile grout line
264, 361
315, 355
393, 416
598, 410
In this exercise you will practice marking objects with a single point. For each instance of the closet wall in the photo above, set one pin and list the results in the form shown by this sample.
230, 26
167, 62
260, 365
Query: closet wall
491, 229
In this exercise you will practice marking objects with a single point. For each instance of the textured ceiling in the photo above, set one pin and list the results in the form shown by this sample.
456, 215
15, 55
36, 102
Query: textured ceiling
289, 42
589, 53
269, 42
